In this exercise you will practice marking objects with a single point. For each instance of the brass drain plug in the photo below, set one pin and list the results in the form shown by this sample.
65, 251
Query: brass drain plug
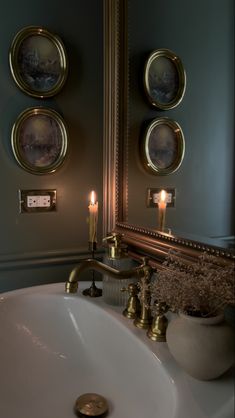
91, 405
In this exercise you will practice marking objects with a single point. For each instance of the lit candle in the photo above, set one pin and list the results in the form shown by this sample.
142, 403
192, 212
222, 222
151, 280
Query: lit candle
93, 218
162, 210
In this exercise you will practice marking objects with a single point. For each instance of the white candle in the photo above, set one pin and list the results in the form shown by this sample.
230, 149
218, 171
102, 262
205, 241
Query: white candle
162, 210
93, 218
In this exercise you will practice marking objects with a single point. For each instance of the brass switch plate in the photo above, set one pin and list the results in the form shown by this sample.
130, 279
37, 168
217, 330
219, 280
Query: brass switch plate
32, 201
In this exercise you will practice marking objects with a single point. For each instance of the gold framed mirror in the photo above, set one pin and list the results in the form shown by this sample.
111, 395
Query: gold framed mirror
141, 239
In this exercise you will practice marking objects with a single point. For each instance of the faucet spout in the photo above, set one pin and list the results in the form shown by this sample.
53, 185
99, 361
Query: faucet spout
71, 285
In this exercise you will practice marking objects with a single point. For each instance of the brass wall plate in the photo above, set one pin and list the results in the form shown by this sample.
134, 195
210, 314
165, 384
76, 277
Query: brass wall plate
156, 190
34, 201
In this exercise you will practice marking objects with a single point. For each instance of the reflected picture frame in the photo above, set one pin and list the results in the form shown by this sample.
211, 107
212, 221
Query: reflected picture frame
163, 146
164, 79
38, 62
39, 140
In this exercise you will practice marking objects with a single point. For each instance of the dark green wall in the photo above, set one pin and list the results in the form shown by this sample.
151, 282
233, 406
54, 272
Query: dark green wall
36, 248
201, 33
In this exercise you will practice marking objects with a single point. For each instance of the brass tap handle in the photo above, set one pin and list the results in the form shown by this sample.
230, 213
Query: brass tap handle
114, 237
160, 307
133, 304
132, 289
157, 331
116, 249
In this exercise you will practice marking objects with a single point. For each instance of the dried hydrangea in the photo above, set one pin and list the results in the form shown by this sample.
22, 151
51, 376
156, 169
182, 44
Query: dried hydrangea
202, 288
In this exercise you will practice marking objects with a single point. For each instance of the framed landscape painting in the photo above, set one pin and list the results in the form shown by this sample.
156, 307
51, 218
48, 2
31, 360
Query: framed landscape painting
38, 62
39, 140
163, 146
164, 79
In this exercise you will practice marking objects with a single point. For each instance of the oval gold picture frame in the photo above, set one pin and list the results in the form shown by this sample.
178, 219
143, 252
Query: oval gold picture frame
163, 147
38, 62
164, 79
39, 140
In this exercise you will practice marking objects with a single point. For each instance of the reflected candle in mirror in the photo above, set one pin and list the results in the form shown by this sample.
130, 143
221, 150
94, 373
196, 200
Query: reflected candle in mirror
162, 210
93, 218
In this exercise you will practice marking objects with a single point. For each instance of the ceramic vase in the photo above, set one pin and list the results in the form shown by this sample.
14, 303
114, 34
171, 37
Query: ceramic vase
203, 347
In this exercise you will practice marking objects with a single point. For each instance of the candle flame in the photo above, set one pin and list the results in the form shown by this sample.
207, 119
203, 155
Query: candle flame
93, 197
163, 196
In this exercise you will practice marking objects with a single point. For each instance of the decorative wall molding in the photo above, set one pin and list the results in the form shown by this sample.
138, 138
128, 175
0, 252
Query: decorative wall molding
44, 258
157, 245
111, 100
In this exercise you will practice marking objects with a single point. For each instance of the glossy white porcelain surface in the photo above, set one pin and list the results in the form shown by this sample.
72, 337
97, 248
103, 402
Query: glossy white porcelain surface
55, 347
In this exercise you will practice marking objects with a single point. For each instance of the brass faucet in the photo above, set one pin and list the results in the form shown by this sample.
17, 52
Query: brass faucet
142, 272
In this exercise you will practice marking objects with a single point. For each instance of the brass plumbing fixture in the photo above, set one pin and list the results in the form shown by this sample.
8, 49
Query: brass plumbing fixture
133, 304
116, 249
144, 320
143, 272
157, 331
92, 405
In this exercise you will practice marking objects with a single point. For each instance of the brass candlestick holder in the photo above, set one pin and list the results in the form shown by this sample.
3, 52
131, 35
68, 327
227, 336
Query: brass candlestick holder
92, 291
161, 219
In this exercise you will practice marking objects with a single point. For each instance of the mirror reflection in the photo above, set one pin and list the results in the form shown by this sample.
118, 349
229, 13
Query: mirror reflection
201, 35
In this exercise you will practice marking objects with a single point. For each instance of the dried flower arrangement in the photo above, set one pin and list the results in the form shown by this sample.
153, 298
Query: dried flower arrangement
202, 288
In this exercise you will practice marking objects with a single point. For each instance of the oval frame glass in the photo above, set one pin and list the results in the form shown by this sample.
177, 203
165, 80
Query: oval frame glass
163, 147
164, 79
39, 140
38, 62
